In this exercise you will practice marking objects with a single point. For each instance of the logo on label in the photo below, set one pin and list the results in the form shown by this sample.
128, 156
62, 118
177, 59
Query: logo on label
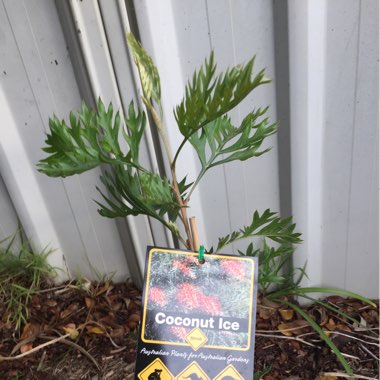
229, 373
196, 338
192, 372
155, 371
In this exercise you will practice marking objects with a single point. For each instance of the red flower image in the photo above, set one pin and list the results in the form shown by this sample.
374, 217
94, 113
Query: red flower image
179, 286
189, 296
183, 268
192, 297
192, 259
157, 296
234, 268
211, 305
179, 332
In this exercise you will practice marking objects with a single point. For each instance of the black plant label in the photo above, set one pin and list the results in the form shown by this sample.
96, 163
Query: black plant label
198, 320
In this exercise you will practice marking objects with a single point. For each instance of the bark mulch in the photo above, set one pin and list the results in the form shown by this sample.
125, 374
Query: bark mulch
90, 332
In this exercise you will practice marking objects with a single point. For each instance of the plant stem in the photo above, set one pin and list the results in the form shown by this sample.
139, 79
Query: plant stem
178, 151
171, 229
183, 205
200, 175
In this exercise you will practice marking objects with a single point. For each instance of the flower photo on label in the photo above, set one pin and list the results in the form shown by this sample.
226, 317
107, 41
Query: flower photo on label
183, 295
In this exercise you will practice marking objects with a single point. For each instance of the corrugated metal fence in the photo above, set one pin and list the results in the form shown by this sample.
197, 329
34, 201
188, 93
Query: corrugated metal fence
323, 168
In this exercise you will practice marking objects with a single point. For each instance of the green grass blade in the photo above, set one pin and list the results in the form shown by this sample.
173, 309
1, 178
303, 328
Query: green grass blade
259, 375
344, 293
321, 333
337, 311
340, 292
21, 275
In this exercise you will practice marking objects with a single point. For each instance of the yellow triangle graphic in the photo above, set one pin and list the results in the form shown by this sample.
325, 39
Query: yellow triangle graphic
155, 371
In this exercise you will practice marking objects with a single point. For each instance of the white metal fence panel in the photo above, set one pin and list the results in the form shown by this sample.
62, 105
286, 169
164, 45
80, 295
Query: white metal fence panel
334, 125
37, 80
351, 166
8, 218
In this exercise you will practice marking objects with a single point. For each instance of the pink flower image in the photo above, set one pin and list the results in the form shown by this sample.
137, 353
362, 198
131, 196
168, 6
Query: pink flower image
180, 288
192, 297
192, 259
234, 268
157, 296
189, 296
211, 305
183, 268
179, 332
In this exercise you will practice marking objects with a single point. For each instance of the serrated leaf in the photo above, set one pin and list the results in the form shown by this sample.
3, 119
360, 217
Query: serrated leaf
157, 194
266, 225
220, 142
133, 194
91, 139
207, 96
183, 186
149, 77
135, 123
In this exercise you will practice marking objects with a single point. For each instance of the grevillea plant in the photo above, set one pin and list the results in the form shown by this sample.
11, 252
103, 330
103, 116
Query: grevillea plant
93, 137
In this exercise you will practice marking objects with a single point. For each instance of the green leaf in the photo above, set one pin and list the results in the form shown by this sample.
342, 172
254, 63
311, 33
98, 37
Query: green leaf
109, 127
271, 263
69, 153
208, 97
249, 251
157, 194
259, 375
149, 77
183, 186
135, 124
133, 194
267, 225
338, 311
91, 139
344, 293
220, 142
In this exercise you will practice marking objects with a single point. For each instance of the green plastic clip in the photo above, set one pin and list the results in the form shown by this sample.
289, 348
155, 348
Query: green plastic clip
201, 254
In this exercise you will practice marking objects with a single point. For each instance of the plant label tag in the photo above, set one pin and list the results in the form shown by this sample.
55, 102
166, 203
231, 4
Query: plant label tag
198, 320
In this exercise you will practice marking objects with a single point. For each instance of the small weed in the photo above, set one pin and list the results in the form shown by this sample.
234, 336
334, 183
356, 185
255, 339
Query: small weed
259, 375
21, 275
16, 377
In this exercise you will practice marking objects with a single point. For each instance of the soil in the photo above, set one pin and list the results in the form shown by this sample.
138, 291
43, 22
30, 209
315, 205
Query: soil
90, 332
